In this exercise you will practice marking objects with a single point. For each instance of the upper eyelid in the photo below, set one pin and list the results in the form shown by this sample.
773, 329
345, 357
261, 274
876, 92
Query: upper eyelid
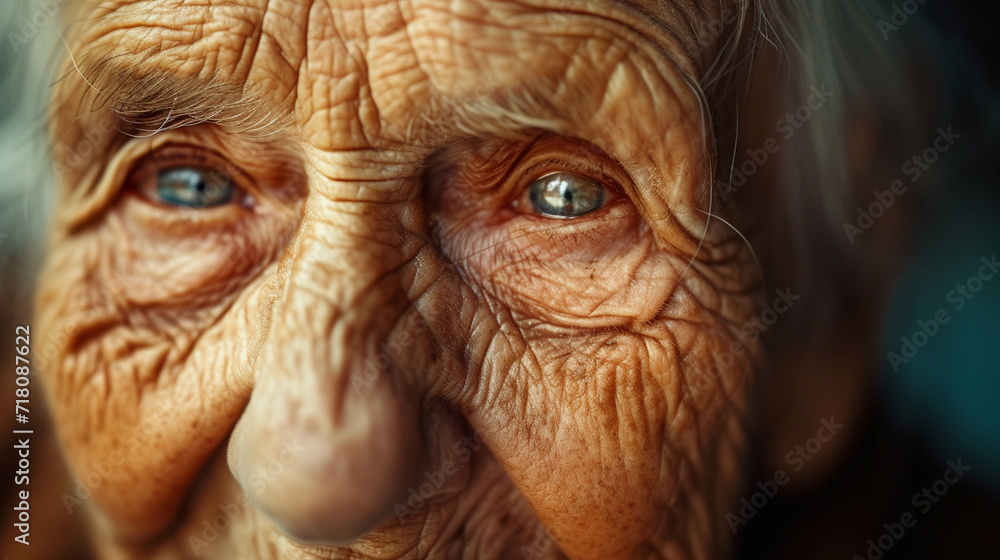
533, 172
181, 151
160, 156
600, 170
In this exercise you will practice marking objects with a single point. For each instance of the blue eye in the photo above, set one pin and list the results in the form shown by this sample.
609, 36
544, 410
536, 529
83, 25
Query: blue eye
193, 187
566, 195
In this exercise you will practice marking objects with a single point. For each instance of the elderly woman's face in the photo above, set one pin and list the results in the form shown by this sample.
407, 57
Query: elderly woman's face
389, 279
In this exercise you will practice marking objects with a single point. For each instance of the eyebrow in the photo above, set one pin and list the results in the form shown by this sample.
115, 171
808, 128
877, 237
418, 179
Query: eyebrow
147, 101
513, 114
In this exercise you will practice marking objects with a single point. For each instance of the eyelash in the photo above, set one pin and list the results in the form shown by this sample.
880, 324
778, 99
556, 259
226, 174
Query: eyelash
571, 165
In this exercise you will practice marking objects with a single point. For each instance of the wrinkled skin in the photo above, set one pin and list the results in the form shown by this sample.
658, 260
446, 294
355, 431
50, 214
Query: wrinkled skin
381, 313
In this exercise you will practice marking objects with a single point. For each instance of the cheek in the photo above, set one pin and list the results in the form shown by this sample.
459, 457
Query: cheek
144, 333
615, 438
611, 394
615, 399
181, 266
603, 273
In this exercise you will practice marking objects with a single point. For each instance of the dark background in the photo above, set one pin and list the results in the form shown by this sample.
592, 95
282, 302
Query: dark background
945, 403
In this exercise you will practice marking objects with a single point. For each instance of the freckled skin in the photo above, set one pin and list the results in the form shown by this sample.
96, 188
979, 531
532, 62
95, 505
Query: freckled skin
385, 317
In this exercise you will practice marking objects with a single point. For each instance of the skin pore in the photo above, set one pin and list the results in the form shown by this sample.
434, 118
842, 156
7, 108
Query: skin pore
378, 310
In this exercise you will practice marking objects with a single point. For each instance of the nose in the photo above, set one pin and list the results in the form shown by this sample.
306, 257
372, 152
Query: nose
331, 437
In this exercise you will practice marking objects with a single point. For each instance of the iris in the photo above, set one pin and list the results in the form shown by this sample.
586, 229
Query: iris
193, 187
566, 195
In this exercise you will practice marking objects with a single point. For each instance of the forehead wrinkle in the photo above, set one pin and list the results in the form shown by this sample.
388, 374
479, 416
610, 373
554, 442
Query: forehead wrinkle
675, 27
155, 67
527, 106
520, 101
149, 100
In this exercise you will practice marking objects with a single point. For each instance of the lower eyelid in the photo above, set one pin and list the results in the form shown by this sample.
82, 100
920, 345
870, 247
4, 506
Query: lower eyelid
163, 222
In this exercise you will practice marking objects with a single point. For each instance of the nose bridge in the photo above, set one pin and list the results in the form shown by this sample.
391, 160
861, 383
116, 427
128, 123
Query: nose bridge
345, 288
328, 323
315, 387
344, 292
344, 248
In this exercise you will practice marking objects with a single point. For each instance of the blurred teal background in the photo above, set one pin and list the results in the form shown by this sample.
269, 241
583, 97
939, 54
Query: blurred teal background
948, 394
